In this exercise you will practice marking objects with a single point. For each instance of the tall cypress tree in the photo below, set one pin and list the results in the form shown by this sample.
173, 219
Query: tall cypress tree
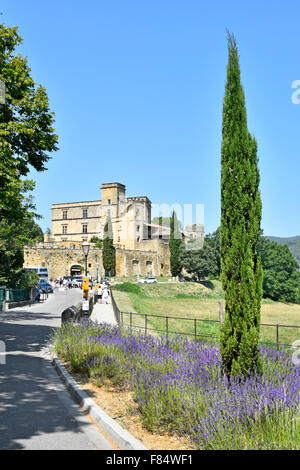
108, 250
175, 245
241, 271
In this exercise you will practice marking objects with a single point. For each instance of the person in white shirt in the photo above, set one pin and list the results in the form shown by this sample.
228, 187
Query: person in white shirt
99, 293
105, 295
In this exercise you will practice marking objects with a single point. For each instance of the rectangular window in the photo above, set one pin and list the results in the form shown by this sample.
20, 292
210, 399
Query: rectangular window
109, 202
84, 213
64, 229
84, 228
65, 214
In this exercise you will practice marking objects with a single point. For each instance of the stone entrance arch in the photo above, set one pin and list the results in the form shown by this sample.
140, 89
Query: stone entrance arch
76, 269
149, 268
135, 267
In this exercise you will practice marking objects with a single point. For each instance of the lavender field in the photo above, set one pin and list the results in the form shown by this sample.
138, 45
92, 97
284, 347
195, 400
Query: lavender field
179, 386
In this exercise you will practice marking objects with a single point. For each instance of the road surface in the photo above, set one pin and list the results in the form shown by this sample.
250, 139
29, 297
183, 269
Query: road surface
36, 411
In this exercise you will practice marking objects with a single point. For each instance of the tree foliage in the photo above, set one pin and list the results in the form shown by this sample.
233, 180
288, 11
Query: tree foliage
26, 123
108, 250
206, 261
281, 276
240, 227
175, 245
97, 242
26, 138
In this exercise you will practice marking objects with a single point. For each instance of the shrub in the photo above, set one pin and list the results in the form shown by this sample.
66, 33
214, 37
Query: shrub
128, 287
179, 386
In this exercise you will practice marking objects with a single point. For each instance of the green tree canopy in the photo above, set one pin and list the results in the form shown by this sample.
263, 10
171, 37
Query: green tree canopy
26, 122
26, 138
97, 241
281, 276
205, 261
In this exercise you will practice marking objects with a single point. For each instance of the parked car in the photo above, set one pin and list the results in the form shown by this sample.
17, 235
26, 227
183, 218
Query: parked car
148, 280
45, 287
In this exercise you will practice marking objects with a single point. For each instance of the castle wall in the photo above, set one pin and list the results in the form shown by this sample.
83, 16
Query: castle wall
59, 260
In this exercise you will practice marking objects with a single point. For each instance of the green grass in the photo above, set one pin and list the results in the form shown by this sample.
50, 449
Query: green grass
200, 301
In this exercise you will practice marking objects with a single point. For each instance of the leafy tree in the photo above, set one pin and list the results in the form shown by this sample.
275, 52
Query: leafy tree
26, 137
201, 262
241, 272
17, 230
25, 120
97, 241
281, 277
28, 279
175, 245
212, 240
108, 251
205, 261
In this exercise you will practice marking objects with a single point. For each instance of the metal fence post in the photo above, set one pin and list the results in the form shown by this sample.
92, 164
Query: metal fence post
145, 325
277, 337
167, 327
195, 328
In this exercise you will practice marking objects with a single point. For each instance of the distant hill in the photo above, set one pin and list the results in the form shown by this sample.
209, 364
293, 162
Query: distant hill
292, 242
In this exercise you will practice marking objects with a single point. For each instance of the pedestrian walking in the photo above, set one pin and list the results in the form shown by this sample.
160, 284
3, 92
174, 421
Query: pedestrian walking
38, 295
100, 293
105, 295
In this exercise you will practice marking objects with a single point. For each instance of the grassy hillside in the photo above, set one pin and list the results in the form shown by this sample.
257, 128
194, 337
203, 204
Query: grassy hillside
201, 301
292, 242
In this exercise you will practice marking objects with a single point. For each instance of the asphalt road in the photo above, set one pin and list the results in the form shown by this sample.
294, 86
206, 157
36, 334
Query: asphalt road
36, 411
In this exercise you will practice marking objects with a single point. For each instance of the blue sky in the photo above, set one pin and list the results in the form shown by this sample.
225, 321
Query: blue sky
137, 89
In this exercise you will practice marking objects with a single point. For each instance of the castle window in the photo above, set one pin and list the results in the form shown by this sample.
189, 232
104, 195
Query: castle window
64, 214
109, 202
64, 229
84, 228
84, 213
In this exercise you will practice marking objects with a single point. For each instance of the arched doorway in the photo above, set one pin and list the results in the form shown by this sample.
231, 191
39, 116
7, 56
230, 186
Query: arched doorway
76, 270
149, 269
135, 267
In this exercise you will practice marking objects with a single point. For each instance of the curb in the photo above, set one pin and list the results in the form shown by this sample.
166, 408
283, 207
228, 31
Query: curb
119, 435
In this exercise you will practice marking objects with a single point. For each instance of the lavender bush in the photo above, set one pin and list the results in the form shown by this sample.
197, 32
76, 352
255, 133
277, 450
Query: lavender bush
180, 387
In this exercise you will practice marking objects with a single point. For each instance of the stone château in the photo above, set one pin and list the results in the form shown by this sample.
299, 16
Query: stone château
142, 248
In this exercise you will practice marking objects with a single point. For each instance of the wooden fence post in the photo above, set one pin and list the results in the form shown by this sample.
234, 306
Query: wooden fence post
221, 313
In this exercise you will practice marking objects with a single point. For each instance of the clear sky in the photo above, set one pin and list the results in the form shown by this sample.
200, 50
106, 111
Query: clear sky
137, 88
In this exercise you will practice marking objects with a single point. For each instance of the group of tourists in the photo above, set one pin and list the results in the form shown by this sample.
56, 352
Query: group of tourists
103, 293
67, 283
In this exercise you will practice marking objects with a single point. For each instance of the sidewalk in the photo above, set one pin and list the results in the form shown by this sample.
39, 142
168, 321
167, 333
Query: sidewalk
103, 313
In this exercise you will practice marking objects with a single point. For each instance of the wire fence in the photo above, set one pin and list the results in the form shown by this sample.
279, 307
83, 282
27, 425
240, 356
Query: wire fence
274, 335
13, 295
